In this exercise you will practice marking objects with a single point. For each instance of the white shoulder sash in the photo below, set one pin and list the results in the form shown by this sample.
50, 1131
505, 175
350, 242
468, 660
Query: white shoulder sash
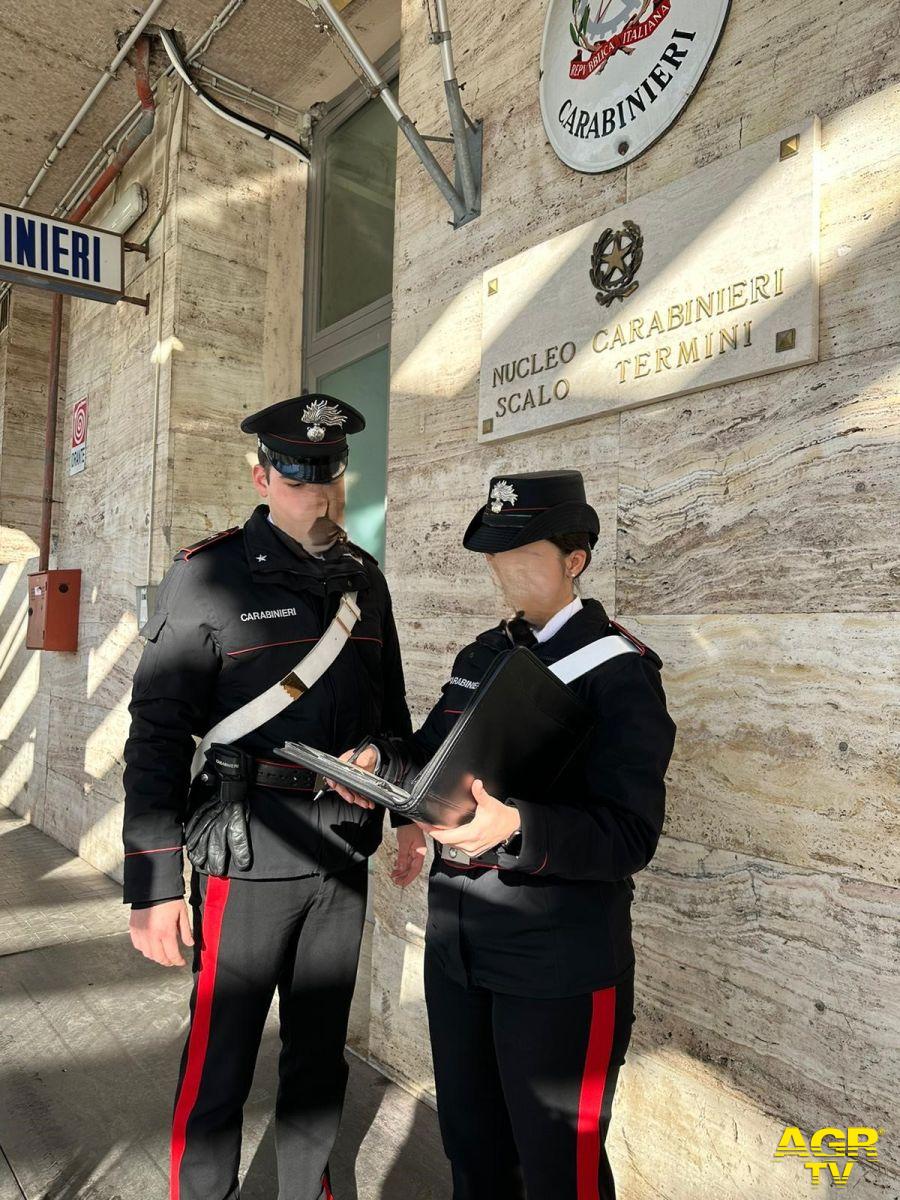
592, 655
275, 699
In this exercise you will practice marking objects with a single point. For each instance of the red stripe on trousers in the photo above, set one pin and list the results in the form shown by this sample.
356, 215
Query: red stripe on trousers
593, 1085
326, 1186
198, 1039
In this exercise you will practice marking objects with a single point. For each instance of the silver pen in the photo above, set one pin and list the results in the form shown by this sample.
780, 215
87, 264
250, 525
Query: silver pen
352, 759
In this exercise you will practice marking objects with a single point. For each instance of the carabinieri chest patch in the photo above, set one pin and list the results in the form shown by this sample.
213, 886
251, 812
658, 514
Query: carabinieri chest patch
267, 614
458, 681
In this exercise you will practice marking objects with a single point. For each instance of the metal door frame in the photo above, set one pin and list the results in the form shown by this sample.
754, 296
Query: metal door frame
368, 329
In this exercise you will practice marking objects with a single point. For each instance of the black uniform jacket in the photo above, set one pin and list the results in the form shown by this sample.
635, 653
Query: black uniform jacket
234, 615
555, 919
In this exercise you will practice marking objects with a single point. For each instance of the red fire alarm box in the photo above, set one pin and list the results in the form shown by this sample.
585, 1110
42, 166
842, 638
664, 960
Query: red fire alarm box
54, 598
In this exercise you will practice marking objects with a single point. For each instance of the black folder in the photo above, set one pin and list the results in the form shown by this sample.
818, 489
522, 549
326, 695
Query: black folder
517, 734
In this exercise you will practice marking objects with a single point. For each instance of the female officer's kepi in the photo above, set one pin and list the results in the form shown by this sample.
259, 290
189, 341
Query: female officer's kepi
305, 438
528, 508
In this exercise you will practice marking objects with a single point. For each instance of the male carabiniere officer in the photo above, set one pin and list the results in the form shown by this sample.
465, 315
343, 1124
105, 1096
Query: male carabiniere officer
279, 897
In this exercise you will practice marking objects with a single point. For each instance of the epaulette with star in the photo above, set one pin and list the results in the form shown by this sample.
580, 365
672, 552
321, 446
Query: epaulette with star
187, 552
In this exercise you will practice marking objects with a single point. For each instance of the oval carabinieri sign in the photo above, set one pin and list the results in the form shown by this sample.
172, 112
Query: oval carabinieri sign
616, 73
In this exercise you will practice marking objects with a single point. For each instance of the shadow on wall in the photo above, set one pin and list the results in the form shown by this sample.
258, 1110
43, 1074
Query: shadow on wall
106, 665
77, 781
22, 710
40, 702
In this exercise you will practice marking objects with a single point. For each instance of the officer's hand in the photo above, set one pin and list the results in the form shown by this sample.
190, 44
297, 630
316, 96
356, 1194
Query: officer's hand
411, 848
155, 932
367, 761
493, 822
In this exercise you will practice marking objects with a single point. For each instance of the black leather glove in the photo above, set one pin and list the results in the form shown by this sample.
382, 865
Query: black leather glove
218, 831
395, 763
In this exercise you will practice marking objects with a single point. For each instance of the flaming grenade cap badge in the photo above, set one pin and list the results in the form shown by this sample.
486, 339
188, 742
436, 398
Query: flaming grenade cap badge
318, 415
502, 493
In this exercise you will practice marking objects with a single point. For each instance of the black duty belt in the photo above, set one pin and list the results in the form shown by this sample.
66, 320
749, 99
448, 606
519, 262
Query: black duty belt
268, 773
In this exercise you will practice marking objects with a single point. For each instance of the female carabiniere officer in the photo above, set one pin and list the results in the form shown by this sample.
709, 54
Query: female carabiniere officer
529, 960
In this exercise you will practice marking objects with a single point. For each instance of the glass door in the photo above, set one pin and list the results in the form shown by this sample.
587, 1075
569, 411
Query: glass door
365, 384
349, 279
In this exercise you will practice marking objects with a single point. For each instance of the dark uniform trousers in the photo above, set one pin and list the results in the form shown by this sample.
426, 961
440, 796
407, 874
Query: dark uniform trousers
525, 1109
300, 936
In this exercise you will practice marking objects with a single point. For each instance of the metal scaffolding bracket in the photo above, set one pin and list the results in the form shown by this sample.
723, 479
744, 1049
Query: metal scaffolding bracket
141, 301
474, 137
464, 194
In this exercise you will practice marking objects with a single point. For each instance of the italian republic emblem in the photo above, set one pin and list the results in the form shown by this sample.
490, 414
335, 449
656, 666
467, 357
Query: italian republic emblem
615, 74
319, 414
601, 36
615, 259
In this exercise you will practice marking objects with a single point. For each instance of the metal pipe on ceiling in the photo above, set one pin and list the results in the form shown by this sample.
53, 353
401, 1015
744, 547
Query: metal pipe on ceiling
247, 95
245, 123
124, 128
244, 94
99, 86
142, 130
201, 44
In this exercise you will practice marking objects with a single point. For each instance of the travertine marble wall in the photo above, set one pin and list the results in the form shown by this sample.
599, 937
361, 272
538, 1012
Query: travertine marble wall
222, 338
748, 533
24, 706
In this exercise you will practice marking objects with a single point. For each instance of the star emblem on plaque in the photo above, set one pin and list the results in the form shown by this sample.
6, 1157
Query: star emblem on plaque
615, 260
318, 415
502, 493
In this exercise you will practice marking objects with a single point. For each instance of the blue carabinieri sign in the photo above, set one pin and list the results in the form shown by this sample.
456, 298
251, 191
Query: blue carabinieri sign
43, 252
